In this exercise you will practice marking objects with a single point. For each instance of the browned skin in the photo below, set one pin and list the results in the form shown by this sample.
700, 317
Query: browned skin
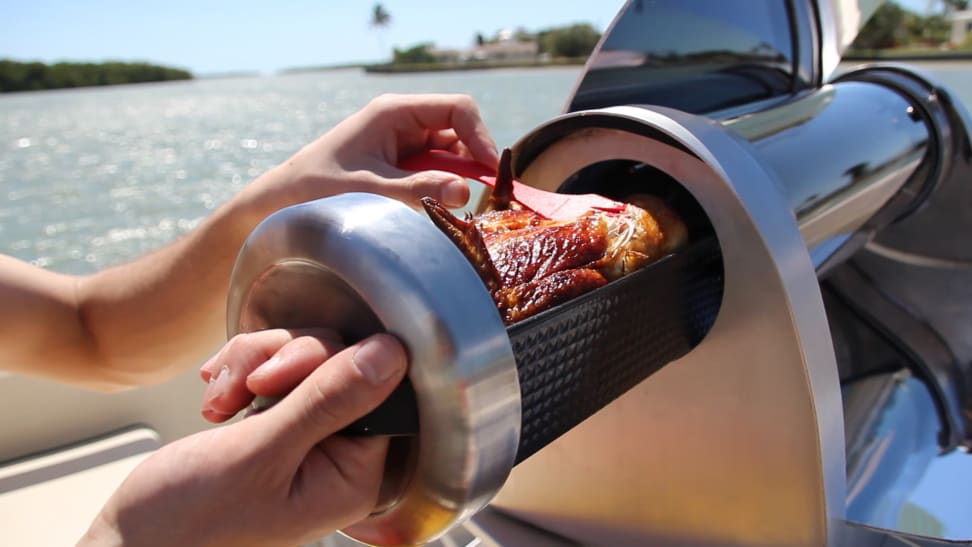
518, 303
468, 238
501, 197
530, 264
535, 252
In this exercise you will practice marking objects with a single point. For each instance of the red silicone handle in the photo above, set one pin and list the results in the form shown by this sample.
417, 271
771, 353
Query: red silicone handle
548, 204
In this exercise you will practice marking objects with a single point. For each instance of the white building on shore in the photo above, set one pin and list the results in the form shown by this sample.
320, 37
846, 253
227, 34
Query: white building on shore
505, 47
961, 22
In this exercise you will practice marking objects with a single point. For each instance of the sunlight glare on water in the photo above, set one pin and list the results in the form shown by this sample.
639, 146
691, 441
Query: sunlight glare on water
97, 176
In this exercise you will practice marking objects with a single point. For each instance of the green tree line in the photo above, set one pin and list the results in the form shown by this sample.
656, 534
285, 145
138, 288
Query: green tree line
417, 54
572, 41
33, 76
893, 26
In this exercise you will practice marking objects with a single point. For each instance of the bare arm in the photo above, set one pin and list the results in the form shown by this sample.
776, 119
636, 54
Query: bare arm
136, 323
144, 321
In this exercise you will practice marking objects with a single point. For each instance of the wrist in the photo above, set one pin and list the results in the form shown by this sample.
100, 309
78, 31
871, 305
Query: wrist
286, 184
303, 177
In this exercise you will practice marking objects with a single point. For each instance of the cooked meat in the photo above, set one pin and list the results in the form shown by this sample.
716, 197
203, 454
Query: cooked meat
530, 264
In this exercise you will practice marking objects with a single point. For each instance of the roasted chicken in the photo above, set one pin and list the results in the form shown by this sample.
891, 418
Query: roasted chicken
530, 264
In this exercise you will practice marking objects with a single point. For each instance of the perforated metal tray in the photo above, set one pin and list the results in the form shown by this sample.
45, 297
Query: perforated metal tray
574, 359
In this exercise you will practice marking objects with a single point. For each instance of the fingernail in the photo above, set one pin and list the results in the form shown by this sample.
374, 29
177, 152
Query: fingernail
375, 363
217, 386
205, 371
455, 192
214, 416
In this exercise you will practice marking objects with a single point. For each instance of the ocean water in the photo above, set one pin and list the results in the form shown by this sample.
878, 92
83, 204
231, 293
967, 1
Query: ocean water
97, 176
93, 177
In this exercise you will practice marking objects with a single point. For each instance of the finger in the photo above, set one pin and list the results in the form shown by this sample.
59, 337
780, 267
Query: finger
348, 386
456, 112
227, 372
447, 139
242, 349
465, 120
408, 186
210, 368
443, 139
280, 373
459, 148
290, 365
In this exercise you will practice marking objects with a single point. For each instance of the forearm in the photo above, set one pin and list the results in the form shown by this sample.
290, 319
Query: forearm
156, 316
143, 321
136, 323
153, 317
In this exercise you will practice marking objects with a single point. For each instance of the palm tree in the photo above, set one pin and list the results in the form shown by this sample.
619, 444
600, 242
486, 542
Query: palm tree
380, 19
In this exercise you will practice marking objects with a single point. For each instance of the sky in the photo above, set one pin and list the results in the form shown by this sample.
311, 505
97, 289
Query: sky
219, 36
215, 36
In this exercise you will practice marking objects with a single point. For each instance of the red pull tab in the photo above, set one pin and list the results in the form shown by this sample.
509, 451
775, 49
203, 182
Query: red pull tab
547, 204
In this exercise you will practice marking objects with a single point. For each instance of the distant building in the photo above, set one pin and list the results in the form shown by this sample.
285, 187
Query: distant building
449, 56
961, 22
505, 50
505, 47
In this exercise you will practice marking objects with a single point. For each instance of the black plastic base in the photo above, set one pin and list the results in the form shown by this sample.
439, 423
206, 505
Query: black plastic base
576, 358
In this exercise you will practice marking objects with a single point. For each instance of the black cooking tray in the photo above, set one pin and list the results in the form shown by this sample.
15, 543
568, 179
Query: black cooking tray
574, 359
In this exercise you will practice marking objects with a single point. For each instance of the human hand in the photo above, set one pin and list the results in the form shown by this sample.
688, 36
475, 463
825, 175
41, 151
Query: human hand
268, 363
280, 477
362, 152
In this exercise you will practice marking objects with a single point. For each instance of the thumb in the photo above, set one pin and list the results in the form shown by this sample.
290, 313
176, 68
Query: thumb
409, 186
341, 390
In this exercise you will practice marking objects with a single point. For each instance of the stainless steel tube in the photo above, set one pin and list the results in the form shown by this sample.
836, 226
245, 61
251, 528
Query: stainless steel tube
840, 153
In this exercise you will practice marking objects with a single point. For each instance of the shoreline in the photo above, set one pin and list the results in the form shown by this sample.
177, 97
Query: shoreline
947, 56
389, 68
943, 59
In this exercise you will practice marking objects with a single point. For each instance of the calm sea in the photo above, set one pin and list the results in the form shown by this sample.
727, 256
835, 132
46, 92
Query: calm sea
92, 177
